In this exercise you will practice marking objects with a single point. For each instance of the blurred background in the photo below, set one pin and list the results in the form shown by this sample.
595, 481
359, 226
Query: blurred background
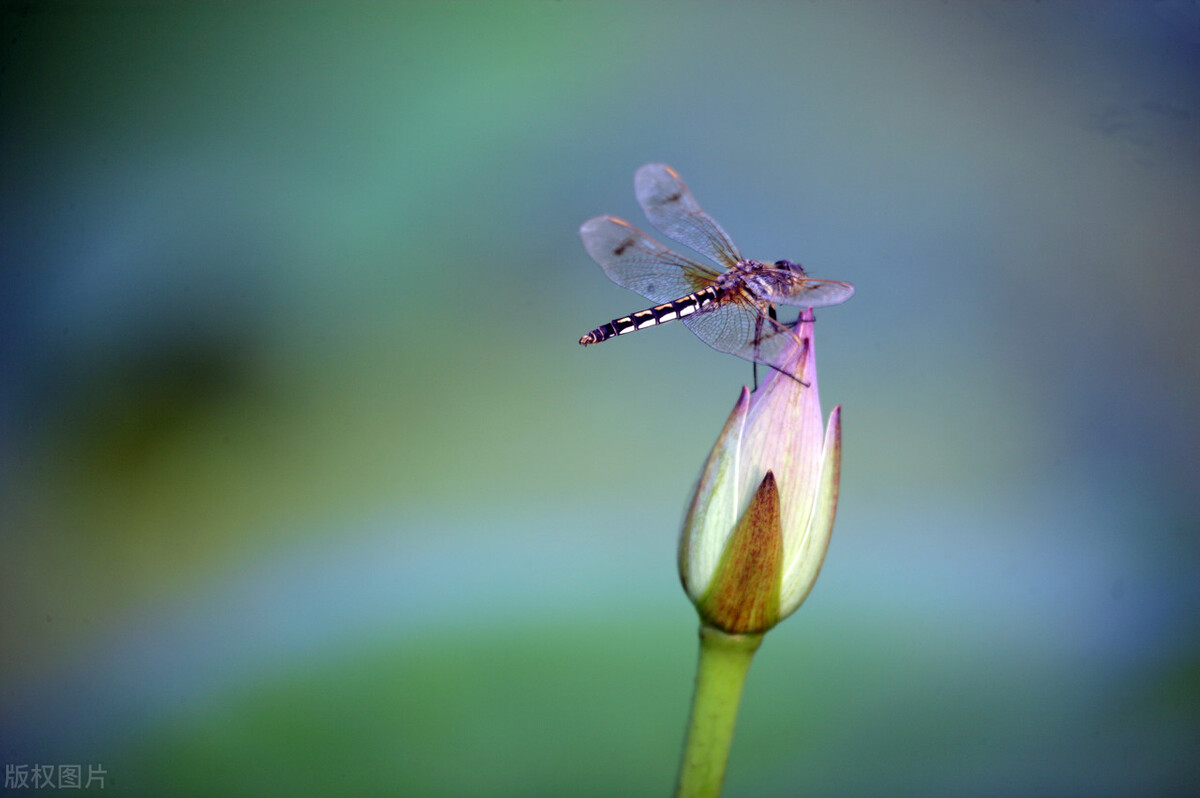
306, 487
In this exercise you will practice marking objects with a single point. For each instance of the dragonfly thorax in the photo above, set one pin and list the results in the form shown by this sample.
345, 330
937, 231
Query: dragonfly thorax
763, 280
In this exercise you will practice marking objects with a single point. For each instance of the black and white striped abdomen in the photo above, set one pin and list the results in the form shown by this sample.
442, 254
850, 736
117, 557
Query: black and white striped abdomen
659, 314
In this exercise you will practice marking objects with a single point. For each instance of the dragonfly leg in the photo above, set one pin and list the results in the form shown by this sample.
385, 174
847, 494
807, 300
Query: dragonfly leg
758, 328
789, 375
758, 337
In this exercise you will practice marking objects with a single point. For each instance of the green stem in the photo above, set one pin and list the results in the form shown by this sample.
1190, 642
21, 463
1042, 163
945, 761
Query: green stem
720, 674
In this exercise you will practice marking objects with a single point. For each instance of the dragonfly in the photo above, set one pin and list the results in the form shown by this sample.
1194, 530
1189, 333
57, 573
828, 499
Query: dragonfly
732, 310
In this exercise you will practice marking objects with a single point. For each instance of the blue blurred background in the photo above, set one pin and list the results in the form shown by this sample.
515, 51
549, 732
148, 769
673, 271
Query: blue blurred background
306, 487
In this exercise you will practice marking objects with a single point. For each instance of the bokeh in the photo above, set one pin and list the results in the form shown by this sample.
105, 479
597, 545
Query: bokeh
306, 487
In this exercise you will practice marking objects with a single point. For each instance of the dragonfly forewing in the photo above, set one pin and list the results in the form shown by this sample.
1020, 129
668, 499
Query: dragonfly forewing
672, 209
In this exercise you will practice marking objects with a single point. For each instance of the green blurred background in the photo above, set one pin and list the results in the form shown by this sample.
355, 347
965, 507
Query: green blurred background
307, 488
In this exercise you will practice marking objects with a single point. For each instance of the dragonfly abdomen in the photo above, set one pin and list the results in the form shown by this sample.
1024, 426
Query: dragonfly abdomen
659, 314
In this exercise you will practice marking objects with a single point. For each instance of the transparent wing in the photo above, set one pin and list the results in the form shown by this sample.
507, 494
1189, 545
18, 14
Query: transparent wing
672, 209
634, 261
739, 327
814, 293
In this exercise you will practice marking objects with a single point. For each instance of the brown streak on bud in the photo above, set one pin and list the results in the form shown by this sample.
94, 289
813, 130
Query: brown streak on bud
743, 596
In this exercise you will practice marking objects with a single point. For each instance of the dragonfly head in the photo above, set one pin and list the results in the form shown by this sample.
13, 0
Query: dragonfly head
787, 265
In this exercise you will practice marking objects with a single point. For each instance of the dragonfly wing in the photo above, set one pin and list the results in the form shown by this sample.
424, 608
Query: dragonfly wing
739, 327
814, 293
632, 260
672, 209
